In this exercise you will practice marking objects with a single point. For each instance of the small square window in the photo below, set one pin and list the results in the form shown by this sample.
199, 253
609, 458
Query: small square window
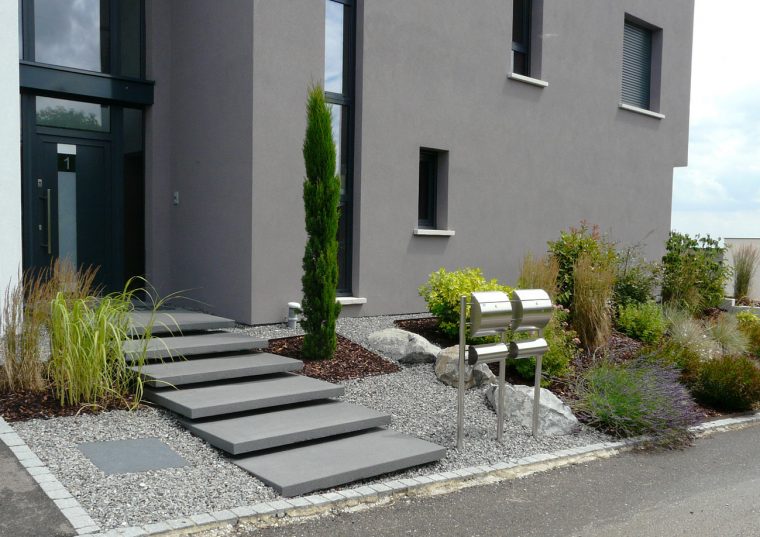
428, 188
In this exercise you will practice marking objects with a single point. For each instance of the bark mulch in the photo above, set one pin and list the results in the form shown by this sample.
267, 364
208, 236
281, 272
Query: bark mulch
22, 406
350, 361
427, 327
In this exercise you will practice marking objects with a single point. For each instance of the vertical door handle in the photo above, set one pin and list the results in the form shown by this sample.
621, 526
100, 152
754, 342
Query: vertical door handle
49, 231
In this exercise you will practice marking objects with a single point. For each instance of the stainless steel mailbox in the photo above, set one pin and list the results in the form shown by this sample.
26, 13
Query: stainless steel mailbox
490, 352
532, 308
490, 313
527, 349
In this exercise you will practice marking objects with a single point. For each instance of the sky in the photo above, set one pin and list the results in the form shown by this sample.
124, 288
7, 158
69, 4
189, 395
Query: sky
719, 192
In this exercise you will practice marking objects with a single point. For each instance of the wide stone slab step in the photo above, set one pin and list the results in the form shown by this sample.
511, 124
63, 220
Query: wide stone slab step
227, 398
183, 372
179, 346
324, 464
176, 322
280, 427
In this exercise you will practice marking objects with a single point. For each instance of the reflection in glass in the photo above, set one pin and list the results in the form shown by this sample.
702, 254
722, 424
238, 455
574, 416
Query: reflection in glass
67, 204
72, 114
73, 33
334, 17
337, 132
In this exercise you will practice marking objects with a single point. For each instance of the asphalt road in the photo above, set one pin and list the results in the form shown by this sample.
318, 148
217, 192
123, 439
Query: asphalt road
25, 510
711, 489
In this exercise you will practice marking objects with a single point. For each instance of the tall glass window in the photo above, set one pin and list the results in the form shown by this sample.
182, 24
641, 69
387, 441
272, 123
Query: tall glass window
339, 76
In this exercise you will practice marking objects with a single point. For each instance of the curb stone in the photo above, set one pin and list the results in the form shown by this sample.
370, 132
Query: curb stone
264, 514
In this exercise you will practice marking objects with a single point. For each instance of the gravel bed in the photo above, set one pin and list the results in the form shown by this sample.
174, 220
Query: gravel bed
209, 482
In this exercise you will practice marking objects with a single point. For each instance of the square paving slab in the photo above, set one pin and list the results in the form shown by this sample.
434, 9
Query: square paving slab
131, 456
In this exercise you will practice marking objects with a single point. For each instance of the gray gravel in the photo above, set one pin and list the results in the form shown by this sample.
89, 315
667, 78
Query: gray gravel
418, 403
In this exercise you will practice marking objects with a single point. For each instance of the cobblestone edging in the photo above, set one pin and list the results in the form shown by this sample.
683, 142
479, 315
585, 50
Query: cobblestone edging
321, 503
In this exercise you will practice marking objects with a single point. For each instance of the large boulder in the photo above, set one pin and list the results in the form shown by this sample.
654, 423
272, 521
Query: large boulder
447, 369
403, 346
555, 417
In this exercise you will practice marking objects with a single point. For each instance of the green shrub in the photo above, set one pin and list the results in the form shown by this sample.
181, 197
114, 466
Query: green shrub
729, 383
636, 278
443, 290
87, 364
642, 321
724, 330
672, 354
568, 249
687, 332
749, 324
635, 398
539, 273
321, 194
562, 349
746, 259
694, 272
593, 285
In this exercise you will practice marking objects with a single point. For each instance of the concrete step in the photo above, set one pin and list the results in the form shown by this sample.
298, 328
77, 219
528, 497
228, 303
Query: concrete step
328, 463
176, 322
182, 372
279, 427
176, 347
227, 398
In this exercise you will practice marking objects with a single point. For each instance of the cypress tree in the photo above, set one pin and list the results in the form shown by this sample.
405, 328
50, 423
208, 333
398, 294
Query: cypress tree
321, 194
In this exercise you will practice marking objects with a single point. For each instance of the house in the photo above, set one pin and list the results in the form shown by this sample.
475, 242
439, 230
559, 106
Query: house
163, 137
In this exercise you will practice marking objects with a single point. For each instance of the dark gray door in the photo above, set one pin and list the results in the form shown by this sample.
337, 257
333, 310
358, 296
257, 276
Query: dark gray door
72, 205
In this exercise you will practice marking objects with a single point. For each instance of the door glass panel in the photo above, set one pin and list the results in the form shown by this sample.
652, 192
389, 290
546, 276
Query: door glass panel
67, 114
337, 132
334, 17
67, 203
73, 33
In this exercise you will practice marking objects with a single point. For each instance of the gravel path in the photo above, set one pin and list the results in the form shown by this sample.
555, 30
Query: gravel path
418, 403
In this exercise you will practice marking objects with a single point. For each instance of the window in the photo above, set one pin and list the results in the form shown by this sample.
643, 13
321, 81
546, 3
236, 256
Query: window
521, 36
638, 47
428, 182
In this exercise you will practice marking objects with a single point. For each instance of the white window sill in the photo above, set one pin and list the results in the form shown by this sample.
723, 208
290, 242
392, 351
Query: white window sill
528, 80
420, 232
642, 111
350, 300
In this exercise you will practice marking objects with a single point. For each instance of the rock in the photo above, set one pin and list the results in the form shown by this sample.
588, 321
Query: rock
555, 417
447, 370
403, 346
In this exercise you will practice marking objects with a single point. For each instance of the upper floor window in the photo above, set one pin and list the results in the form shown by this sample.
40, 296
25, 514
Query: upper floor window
521, 36
104, 36
642, 60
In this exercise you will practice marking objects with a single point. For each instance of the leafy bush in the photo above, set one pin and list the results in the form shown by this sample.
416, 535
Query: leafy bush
724, 330
87, 363
569, 248
593, 284
539, 273
636, 278
443, 290
636, 398
694, 272
562, 349
321, 194
729, 383
746, 259
749, 324
644, 322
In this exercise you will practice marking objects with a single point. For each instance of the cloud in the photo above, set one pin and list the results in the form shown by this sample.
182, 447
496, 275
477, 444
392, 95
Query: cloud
719, 192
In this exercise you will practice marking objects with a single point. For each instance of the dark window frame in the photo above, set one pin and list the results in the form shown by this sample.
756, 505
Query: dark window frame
632, 25
428, 189
525, 25
346, 101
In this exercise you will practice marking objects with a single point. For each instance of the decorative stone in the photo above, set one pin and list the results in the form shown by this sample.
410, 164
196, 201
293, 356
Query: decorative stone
447, 369
403, 346
555, 417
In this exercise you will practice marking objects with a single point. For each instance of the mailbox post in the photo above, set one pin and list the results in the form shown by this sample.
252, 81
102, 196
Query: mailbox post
494, 313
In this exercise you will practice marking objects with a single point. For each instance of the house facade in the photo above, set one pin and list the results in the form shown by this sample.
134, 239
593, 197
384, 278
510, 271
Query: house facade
163, 137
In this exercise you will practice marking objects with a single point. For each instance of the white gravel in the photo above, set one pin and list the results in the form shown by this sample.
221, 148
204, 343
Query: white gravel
418, 403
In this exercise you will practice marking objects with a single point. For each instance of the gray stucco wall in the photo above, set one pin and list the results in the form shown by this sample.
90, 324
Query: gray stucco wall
524, 162
199, 134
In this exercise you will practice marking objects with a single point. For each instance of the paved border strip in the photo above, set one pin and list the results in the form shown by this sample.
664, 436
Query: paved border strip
263, 514
66, 503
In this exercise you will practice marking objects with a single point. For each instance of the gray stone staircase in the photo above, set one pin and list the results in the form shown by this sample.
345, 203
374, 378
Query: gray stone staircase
282, 427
